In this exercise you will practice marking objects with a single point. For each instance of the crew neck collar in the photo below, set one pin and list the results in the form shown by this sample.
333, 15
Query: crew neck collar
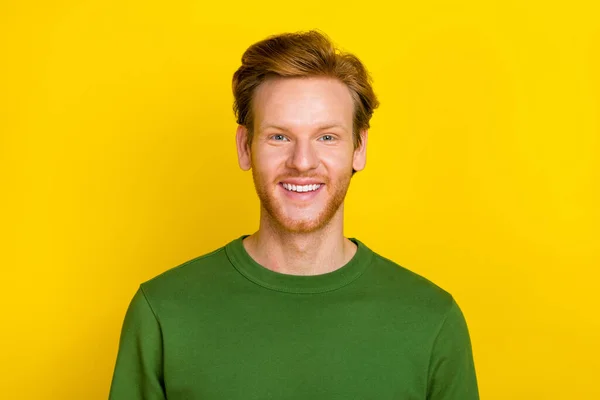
255, 272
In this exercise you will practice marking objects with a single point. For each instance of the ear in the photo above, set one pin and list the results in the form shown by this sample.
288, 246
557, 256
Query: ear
243, 148
360, 153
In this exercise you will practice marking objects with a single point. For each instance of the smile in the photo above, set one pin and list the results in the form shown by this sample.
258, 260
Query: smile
301, 188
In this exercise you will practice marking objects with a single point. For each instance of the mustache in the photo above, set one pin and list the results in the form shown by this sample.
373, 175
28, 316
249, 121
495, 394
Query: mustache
312, 178
316, 178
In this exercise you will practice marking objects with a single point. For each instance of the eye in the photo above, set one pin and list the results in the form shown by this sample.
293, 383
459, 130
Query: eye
278, 137
328, 138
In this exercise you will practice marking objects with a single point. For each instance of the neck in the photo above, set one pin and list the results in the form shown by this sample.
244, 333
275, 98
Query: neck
294, 253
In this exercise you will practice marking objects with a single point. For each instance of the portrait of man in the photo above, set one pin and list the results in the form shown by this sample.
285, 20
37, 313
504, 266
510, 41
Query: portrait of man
296, 310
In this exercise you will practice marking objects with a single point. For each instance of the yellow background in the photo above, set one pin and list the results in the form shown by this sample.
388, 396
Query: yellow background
117, 162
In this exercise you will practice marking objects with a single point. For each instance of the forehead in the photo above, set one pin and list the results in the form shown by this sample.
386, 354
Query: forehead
300, 103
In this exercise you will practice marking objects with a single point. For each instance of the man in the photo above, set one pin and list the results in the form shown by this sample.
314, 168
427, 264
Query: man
296, 310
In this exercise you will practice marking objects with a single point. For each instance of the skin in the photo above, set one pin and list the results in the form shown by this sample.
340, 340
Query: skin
302, 129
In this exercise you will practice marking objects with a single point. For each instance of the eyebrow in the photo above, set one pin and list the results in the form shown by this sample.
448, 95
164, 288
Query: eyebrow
321, 127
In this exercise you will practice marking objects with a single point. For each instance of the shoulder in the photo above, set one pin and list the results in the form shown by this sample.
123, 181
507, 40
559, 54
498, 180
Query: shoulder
186, 276
408, 288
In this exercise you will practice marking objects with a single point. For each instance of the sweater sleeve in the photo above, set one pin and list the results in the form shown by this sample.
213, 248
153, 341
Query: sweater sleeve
451, 370
138, 370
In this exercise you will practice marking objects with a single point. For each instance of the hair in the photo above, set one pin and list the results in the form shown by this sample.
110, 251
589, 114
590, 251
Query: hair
302, 54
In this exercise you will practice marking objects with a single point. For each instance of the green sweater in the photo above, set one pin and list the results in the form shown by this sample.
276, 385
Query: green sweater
221, 326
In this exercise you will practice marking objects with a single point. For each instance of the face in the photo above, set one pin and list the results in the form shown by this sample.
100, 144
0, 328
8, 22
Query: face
302, 152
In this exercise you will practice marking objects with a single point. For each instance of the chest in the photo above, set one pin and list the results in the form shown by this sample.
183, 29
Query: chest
340, 349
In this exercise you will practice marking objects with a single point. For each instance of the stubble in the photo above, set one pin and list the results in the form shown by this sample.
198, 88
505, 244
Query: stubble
336, 193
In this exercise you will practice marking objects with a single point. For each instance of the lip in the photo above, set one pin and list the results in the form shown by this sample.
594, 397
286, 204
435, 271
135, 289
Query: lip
303, 196
302, 182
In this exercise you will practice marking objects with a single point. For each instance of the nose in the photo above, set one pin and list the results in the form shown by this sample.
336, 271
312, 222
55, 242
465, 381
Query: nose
303, 156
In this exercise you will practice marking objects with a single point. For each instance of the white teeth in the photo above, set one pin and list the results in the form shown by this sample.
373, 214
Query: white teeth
301, 189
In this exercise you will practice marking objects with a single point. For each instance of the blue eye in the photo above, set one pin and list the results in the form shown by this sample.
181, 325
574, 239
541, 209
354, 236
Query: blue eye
276, 136
328, 136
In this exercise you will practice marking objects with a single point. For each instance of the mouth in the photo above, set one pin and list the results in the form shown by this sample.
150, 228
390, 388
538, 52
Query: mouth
301, 192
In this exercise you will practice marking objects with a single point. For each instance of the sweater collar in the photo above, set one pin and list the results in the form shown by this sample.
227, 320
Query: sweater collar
255, 272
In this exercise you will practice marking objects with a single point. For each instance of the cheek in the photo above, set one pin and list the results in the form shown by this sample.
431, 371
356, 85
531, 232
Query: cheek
268, 163
338, 160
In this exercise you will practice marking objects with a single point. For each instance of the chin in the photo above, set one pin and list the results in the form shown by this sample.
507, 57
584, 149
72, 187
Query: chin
301, 226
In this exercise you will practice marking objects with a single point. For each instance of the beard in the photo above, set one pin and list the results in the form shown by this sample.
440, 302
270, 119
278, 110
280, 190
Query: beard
273, 205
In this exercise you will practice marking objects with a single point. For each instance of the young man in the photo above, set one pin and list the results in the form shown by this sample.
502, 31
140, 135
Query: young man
296, 310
